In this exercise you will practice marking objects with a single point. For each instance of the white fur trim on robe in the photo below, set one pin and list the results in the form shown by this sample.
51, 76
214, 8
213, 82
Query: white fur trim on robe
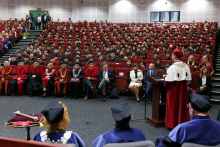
178, 68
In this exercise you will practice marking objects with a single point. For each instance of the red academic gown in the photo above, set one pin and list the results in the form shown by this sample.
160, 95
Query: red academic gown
44, 79
20, 73
5, 74
176, 103
58, 77
95, 74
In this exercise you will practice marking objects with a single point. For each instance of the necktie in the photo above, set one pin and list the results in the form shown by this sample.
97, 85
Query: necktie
19, 71
91, 73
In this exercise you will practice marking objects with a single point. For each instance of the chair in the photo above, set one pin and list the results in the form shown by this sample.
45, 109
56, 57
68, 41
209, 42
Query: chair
121, 75
117, 65
10, 142
191, 69
194, 80
132, 144
164, 62
186, 144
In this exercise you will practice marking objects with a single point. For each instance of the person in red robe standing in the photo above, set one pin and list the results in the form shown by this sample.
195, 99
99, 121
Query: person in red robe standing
34, 78
177, 93
91, 79
19, 79
48, 80
61, 78
5, 76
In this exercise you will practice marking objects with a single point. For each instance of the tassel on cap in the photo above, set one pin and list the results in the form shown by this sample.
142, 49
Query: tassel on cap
41, 125
5, 128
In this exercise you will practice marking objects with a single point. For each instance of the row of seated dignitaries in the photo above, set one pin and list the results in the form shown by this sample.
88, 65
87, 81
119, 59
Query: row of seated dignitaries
200, 130
50, 81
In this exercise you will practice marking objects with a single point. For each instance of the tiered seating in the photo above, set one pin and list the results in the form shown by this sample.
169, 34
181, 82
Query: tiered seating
106, 35
12, 28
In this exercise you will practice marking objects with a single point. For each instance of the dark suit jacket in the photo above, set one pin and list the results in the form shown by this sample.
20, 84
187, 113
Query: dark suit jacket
208, 81
111, 75
48, 18
42, 19
146, 76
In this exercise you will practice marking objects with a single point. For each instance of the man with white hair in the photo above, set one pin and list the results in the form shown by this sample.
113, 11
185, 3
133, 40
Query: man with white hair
5, 77
44, 20
177, 93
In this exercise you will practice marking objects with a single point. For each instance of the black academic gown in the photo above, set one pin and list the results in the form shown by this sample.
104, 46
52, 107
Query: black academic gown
34, 82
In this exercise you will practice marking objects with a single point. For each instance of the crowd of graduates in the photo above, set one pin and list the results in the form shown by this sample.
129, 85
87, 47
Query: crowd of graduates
71, 57
46, 65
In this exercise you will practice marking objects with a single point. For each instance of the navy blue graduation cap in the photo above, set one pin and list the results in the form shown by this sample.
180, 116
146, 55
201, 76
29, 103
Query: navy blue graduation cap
91, 62
63, 63
199, 103
121, 111
53, 112
26, 56
76, 63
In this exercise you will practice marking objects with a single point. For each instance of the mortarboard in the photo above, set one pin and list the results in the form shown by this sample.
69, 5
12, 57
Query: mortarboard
121, 111
53, 112
91, 62
199, 103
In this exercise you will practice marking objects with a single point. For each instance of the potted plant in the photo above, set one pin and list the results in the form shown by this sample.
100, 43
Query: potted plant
25, 35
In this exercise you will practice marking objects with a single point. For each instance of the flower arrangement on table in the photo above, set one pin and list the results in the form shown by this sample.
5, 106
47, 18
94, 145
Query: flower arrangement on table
25, 34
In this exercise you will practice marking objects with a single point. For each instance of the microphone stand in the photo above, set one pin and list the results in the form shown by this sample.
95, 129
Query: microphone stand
145, 104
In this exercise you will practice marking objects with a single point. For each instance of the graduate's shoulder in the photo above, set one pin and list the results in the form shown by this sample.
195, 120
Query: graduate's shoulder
137, 131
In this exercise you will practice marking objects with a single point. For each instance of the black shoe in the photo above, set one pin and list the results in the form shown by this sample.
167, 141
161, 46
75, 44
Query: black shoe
65, 97
104, 99
72, 97
30, 95
144, 96
35, 89
149, 102
55, 96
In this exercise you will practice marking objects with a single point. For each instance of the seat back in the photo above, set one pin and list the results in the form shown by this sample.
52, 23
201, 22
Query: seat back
186, 144
121, 72
132, 144
10, 142
195, 78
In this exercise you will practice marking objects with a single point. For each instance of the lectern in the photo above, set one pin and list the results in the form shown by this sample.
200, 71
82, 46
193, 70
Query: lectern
158, 109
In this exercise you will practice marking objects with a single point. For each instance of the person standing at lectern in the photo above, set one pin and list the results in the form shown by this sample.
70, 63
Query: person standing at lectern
177, 93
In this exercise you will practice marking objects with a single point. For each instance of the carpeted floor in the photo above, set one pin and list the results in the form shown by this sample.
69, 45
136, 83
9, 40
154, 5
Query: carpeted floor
88, 118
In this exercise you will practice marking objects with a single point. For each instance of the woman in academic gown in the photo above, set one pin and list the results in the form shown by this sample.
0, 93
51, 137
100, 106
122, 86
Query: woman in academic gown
56, 120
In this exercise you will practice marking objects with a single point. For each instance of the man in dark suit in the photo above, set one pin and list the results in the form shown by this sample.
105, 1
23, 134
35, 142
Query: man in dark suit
106, 78
147, 84
48, 18
44, 20
113, 58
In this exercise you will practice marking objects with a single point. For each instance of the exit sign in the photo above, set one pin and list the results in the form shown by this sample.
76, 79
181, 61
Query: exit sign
38, 8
